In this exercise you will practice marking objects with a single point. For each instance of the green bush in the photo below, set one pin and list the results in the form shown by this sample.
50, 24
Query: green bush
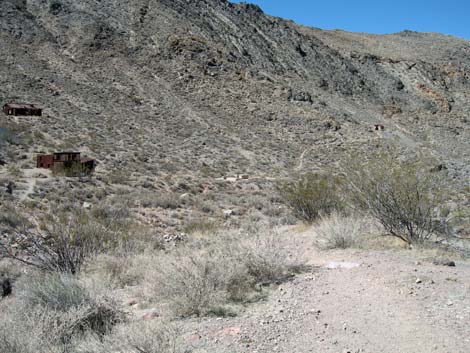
312, 195
406, 197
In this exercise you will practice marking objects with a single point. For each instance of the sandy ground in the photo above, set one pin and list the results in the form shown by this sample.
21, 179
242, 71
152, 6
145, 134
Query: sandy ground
350, 301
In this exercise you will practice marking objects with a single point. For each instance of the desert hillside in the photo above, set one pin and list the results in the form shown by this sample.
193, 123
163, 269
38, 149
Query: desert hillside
197, 113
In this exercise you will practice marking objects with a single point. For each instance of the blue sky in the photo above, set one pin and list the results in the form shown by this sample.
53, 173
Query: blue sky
376, 16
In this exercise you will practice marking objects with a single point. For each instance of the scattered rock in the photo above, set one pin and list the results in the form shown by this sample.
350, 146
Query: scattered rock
300, 96
132, 302
444, 262
9, 188
347, 265
228, 213
150, 316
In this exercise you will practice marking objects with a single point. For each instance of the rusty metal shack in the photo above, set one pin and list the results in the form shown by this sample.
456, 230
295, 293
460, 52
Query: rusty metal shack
22, 109
66, 162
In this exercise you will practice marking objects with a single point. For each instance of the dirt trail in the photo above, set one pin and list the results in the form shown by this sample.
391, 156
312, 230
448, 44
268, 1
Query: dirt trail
30, 176
378, 306
30, 183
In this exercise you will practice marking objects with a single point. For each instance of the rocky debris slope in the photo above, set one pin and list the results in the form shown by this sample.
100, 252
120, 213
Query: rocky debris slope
215, 88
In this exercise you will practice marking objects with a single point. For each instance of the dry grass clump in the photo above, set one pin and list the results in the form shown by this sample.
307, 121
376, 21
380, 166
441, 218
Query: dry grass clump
338, 231
205, 276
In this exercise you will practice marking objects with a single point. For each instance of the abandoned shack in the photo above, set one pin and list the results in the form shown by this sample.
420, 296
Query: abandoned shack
70, 163
379, 127
22, 109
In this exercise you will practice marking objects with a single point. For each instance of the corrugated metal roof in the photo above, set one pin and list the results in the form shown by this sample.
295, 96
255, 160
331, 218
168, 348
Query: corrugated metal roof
21, 106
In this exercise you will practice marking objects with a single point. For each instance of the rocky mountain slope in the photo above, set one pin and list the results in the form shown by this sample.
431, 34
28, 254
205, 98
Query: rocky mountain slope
161, 91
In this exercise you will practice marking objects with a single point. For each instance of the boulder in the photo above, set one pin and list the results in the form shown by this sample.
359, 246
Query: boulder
5, 287
444, 262
300, 96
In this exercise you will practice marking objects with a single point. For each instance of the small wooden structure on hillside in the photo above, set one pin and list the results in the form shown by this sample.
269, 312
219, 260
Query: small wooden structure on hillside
379, 127
70, 163
22, 109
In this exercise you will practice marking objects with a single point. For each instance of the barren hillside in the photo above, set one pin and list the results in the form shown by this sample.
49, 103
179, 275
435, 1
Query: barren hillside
160, 91
199, 114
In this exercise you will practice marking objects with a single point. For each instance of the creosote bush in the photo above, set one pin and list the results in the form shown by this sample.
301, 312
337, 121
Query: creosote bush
312, 195
405, 196
64, 243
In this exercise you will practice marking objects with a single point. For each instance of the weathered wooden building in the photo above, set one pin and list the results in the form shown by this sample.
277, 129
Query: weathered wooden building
70, 163
22, 109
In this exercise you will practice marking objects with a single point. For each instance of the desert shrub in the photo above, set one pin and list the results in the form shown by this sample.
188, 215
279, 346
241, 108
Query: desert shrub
51, 312
112, 215
72, 305
115, 269
204, 277
166, 201
406, 197
64, 243
19, 334
201, 226
134, 338
338, 231
311, 195
11, 218
194, 282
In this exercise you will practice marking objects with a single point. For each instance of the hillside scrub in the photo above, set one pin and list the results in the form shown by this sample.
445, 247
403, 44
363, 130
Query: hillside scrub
206, 275
405, 196
311, 196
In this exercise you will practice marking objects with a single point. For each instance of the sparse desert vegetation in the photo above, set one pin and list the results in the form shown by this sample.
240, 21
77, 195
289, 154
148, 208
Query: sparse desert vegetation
261, 186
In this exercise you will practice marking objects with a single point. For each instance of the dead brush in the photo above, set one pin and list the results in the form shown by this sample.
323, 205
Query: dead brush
209, 274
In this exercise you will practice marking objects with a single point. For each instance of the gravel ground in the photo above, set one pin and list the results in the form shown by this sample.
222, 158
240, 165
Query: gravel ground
351, 301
